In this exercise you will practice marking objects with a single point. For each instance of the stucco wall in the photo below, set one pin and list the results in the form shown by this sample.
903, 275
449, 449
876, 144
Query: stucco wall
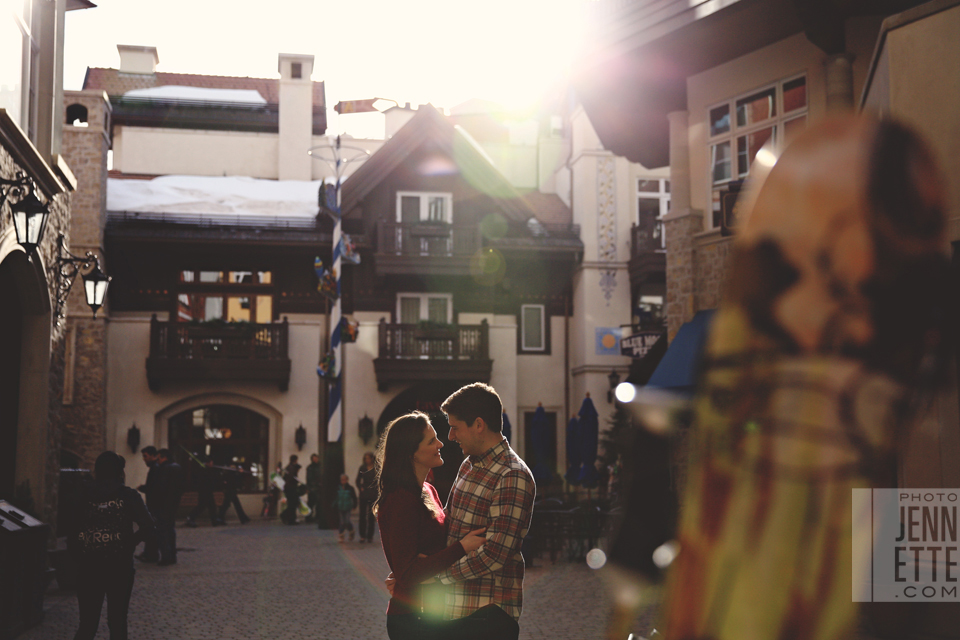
130, 400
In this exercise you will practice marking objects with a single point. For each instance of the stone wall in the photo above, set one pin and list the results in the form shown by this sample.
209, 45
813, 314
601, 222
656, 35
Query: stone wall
679, 230
712, 258
84, 412
38, 468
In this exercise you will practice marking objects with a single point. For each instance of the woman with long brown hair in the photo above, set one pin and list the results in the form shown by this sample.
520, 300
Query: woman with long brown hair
411, 520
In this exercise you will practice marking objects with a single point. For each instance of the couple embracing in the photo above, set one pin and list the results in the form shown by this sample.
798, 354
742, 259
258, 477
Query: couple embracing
467, 554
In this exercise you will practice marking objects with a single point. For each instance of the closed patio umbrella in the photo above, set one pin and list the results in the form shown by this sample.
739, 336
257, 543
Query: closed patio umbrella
573, 451
540, 436
589, 434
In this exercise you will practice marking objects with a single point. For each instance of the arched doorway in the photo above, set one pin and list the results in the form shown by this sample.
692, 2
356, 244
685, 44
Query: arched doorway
24, 379
229, 435
428, 397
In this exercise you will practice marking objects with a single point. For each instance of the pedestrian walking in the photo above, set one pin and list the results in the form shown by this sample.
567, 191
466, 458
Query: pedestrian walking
345, 502
231, 482
102, 545
412, 526
151, 552
314, 475
292, 490
169, 490
367, 495
206, 482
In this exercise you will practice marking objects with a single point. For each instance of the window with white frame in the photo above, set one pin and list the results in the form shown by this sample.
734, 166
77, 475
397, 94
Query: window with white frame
738, 128
533, 327
20, 52
418, 307
413, 206
653, 202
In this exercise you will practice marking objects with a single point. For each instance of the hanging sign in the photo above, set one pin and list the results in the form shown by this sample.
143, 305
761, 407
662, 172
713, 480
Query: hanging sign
639, 344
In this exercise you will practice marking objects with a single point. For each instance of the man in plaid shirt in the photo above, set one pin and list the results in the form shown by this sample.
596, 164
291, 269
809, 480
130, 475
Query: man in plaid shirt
494, 489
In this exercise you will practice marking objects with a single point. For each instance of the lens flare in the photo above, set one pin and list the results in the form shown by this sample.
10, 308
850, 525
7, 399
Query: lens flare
488, 267
596, 558
626, 392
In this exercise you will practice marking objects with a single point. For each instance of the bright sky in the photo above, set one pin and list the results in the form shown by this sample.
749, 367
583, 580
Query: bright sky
439, 51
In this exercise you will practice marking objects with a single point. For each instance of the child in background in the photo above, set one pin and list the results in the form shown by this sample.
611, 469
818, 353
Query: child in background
345, 502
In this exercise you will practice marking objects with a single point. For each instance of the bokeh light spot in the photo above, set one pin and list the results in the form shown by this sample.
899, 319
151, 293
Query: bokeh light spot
626, 392
493, 226
596, 558
665, 554
488, 267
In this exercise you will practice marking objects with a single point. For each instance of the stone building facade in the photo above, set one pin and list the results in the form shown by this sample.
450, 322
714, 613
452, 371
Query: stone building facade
86, 140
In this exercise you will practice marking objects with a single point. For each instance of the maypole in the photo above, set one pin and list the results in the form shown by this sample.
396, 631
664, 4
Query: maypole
331, 365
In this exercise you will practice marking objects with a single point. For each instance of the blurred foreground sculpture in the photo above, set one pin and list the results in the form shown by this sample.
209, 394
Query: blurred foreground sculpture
830, 330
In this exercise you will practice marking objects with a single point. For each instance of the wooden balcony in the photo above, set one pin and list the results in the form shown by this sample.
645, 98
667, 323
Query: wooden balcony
234, 352
425, 248
426, 352
648, 259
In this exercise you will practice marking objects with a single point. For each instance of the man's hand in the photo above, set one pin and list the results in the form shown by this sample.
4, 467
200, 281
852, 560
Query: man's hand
390, 582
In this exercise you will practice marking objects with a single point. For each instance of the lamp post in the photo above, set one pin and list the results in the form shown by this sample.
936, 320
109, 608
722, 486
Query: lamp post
614, 379
28, 213
95, 281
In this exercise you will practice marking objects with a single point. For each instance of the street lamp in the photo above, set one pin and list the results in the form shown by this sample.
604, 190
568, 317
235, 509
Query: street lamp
614, 379
95, 281
28, 213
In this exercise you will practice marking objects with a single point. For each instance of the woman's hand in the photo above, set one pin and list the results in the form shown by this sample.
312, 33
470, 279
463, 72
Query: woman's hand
473, 540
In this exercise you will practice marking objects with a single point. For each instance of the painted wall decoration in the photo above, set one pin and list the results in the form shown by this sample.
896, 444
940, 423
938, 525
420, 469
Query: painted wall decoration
608, 341
606, 210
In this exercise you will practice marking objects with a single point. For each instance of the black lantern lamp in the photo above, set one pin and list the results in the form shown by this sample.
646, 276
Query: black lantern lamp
366, 428
614, 379
133, 438
28, 213
95, 281
300, 437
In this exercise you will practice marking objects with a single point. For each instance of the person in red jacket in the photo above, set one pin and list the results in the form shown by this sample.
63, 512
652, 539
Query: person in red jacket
411, 520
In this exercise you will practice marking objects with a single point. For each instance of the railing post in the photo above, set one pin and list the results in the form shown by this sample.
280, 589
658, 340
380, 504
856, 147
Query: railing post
284, 339
484, 339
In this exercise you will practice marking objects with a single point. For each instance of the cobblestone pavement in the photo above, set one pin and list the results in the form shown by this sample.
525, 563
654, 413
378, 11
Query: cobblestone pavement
271, 581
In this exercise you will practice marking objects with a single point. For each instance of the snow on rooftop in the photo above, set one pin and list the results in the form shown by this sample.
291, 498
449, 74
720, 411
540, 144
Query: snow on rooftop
213, 196
200, 94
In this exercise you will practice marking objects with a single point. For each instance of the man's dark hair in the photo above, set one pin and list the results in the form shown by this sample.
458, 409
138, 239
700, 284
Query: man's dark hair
108, 468
474, 401
150, 450
164, 453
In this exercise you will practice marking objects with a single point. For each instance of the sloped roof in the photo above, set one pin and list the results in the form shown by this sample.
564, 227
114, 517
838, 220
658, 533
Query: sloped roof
115, 83
549, 208
429, 125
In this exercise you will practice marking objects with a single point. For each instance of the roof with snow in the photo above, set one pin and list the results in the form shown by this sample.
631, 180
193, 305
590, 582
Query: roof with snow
198, 94
229, 200
115, 83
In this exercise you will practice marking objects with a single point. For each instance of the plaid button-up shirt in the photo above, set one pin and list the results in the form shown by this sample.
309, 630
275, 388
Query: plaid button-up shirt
496, 491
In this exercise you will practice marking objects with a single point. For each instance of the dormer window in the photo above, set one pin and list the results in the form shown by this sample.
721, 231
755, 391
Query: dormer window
414, 206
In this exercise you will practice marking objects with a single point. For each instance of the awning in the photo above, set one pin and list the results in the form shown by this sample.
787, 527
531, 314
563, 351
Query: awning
677, 370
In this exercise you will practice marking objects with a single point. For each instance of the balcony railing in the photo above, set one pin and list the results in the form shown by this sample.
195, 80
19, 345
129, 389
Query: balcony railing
181, 351
428, 239
427, 351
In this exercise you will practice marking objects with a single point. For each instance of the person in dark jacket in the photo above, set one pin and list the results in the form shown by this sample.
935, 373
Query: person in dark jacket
102, 543
314, 475
367, 490
151, 553
231, 481
206, 483
169, 490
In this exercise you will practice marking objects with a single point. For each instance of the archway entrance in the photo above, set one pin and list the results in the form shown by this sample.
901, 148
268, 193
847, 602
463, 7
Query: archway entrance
227, 434
428, 397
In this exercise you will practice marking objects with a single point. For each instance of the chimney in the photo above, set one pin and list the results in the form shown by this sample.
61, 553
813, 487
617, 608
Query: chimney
134, 59
296, 117
395, 117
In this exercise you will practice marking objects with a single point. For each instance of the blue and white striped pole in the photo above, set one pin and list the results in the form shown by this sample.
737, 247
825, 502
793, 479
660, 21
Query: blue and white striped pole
335, 414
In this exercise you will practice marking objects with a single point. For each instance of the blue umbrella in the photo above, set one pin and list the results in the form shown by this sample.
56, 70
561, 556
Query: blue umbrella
589, 433
573, 451
506, 426
540, 437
